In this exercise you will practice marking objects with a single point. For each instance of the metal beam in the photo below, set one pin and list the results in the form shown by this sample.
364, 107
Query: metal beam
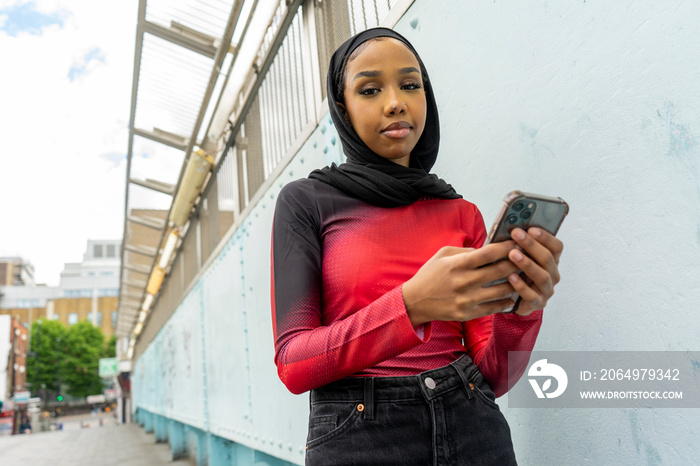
149, 222
135, 284
164, 137
144, 269
180, 37
140, 249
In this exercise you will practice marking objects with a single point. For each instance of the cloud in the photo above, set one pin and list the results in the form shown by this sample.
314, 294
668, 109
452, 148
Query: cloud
66, 100
24, 17
91, 59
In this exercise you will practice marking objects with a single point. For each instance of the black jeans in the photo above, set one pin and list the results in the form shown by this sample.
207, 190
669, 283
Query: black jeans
446, 416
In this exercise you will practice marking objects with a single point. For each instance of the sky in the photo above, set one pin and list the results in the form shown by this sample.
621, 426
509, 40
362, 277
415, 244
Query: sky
65, 90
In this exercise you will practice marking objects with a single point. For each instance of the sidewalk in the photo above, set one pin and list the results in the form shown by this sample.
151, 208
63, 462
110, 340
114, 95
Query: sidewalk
96, 446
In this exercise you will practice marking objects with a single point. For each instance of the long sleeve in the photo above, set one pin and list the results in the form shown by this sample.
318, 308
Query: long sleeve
489, 339
308, 352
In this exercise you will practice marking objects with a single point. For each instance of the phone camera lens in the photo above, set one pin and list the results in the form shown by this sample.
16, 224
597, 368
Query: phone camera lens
512, 218
518, 206
526, 215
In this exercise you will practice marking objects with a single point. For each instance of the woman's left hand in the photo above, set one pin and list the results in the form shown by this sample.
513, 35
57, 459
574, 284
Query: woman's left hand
540, 265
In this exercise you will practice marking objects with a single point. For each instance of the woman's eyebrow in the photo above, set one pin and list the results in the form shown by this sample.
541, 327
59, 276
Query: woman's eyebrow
367, 74
409, 69
376, 74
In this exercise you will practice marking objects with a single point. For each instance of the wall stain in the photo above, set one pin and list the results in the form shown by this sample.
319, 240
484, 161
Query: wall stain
682, 143
528, 136
653, 457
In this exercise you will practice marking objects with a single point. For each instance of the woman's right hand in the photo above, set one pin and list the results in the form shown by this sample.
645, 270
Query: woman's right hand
450, 285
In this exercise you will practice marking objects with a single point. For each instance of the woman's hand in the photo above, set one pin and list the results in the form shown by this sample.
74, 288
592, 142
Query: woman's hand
541, 267
450, 286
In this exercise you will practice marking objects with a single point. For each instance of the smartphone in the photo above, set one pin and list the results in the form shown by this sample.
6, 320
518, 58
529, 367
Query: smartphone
525, 210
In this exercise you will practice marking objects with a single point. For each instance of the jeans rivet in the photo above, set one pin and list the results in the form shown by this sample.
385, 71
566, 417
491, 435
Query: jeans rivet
360, 407
430, 383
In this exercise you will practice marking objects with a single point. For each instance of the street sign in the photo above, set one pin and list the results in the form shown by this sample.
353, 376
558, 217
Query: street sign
22, 397
93, 399
108, 367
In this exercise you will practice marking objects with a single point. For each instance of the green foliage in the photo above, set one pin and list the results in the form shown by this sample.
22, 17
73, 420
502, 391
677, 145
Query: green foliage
110, 348
43, 368
67, 357
84, 345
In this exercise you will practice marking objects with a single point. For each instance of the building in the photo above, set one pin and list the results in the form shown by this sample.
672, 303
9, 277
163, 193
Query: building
14, 343
88, 290
14, 271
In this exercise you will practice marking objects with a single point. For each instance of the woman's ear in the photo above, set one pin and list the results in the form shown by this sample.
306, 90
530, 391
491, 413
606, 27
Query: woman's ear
342, 108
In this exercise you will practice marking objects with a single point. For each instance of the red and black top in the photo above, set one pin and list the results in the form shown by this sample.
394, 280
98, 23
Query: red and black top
338, 264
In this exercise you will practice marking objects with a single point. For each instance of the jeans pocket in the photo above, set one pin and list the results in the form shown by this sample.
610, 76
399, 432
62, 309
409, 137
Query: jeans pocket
483, 390
329, 420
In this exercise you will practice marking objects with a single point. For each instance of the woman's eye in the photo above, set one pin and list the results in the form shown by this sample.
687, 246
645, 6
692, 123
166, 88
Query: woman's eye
412, 86
368, 91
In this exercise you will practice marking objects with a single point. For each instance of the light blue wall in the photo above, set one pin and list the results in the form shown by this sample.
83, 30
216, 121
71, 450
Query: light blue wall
594, 101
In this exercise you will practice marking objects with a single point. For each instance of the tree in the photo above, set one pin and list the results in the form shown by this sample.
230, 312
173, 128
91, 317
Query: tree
43, 363
110, 348
84, 345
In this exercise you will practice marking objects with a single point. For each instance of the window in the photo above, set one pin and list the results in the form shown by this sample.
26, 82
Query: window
72, 318
107, 274
111, 250
99, 318
27, 303
77, 293
108, 292
97, 251
114, 318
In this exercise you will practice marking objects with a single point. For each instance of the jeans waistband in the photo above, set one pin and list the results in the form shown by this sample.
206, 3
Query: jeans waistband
426, 385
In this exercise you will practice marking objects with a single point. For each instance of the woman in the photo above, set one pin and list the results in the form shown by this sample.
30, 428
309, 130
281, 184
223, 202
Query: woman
378, 271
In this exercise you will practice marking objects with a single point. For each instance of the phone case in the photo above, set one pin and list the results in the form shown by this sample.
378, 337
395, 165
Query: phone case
524, 210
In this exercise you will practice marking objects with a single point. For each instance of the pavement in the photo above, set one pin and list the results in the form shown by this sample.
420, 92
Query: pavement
106, 445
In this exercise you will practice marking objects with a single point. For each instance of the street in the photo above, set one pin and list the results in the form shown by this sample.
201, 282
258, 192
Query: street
95, 445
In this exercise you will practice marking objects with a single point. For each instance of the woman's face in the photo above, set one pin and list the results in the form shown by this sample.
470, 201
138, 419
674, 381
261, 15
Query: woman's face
385, 100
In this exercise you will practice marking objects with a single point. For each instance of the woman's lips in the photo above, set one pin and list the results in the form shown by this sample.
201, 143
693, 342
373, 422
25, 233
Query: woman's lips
397, 130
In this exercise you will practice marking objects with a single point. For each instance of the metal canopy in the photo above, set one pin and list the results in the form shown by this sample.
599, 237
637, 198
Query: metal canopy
181, 46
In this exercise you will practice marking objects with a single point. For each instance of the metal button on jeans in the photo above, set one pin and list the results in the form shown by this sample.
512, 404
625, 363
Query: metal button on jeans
430, 383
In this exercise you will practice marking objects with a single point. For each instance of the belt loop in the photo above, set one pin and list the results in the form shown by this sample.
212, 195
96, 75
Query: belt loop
369, 398
465, 383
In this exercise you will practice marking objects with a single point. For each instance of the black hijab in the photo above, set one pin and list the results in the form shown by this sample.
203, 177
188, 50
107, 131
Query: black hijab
367, 175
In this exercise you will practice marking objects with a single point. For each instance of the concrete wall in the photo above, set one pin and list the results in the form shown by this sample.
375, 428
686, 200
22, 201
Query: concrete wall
597, 102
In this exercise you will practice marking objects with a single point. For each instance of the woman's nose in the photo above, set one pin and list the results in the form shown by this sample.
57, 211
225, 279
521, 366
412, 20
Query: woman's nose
394, 105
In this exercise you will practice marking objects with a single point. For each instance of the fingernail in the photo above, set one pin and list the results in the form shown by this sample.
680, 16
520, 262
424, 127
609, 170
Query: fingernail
513, 278
536, 232
518, 234
517, 256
